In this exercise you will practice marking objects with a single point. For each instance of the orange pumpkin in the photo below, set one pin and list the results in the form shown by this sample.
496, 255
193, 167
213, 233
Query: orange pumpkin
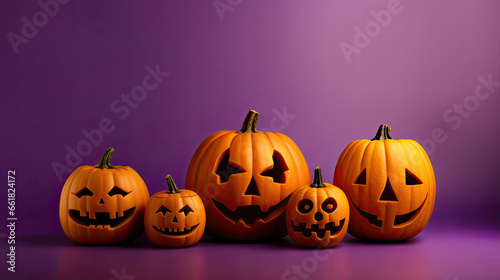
103, 204
318, 214
390, 185
245, 179
174, 218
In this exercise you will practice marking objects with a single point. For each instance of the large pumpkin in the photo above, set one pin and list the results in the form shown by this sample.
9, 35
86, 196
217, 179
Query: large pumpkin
318, 214
245, 179
103, 204
390, 186
174, 218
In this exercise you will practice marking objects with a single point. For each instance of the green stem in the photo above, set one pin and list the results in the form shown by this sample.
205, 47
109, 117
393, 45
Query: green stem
318, 179
172, 188
250, 123
383, 133
104, 162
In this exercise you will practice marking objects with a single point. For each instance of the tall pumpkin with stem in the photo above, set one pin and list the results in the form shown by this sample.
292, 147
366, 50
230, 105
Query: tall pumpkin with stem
390, 185
245, 179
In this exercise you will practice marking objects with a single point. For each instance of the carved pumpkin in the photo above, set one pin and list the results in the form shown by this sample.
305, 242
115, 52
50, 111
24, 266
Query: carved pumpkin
318, 214
103, 204
174, 218
390, 186
245, 179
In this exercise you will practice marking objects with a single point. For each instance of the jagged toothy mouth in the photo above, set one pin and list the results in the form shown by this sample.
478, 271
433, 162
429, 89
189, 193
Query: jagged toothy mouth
102, 219
174, 231
320, 232
250, 214
398, 220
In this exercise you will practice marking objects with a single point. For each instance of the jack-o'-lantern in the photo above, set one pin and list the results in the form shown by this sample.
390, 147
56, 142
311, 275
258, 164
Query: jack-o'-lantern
174, 218
245, 179
390, 185
318, 214
103, 204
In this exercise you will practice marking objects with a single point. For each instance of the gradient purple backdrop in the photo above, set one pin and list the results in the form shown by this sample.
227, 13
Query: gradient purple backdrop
267, 56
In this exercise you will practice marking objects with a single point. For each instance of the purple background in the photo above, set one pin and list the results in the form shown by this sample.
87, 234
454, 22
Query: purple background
262, 55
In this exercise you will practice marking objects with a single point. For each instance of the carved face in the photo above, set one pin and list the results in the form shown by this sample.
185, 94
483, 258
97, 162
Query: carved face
103, 205
317, 214
390, 186
175, 218
245, 179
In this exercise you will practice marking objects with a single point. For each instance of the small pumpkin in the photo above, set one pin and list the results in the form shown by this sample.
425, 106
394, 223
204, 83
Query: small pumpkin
390, 185
103, 204
174, 218
318, 214
245, 179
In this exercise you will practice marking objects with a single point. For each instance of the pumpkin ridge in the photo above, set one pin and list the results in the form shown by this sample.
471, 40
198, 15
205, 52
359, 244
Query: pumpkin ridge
413, 168
373, 146
296, 161
300, 161
66, 193
198, 156
341, 159
430, 176
261, 139
205, 160
360, 145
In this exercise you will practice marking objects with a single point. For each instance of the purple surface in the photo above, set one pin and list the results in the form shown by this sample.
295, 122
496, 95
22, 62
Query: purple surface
438, 253
270, 56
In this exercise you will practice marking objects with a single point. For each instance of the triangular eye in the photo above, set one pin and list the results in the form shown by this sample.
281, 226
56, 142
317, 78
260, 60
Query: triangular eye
186, 209
163, 210
84, 192
277, 170
226, 169
117, 191
361, 178
411, 179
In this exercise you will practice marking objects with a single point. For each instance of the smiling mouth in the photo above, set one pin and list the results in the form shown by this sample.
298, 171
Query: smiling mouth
320, 232
101, 218
174, 231
250, 214
398, 220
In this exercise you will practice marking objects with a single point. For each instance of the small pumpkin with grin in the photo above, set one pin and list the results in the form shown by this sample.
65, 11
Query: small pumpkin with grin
174, 218
103, 204
318, 214
390, 185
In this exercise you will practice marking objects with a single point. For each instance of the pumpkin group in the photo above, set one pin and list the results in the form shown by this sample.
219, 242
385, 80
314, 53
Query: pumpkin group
103, 204
174, 218
318, 214
245, 179
390, 185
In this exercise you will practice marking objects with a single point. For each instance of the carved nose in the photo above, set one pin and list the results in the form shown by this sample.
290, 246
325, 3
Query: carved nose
175, 220
388, 193
101, 201
318, 216
252, 189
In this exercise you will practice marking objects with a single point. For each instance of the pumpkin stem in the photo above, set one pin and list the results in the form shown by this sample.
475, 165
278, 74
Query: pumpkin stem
383, 133
104, 162
172, 188
250, 123
318, 179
